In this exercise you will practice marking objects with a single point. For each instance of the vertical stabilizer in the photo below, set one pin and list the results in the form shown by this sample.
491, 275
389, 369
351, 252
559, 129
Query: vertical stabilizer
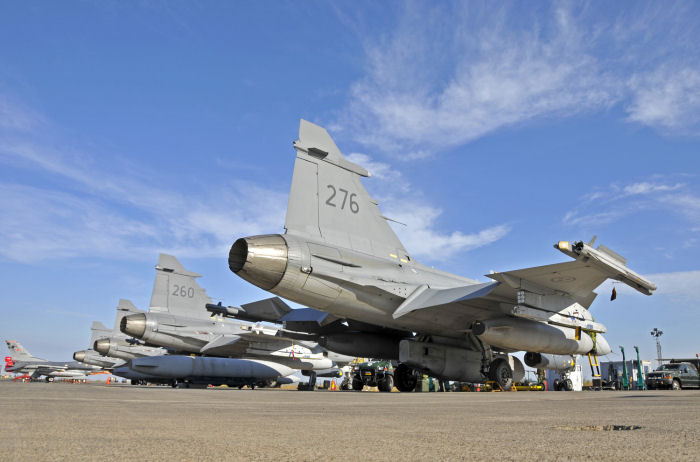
18, 352
176, 290
99, 331
124, 308
327, 200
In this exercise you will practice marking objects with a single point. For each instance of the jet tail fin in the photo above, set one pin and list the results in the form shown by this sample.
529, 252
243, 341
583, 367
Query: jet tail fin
176, 291
327, 200
18, 352
124, 308
98, 331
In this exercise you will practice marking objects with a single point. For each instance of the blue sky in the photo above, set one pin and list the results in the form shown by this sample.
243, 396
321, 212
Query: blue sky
132, 128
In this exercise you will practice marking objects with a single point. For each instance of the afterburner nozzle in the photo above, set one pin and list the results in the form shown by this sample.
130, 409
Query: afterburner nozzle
134, 325
260, 260
79, 356
101, 346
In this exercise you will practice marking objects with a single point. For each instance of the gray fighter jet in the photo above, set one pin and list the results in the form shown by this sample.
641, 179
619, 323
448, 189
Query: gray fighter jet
118, 345
91, 356
20, 361
340, 255
177, 320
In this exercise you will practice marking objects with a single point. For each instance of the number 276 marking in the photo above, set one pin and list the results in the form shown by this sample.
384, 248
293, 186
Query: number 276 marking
348, 199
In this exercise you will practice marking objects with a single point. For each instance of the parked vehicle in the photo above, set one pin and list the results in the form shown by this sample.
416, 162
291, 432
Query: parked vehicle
674, 376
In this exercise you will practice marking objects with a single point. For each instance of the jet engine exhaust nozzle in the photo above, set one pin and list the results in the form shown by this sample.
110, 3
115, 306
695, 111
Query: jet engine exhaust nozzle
79, 356
134, 325
101, 346
260, 260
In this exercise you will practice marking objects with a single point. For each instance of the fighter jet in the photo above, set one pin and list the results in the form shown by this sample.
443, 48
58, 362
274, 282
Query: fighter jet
91, 356
340, 255
177, 320
118, 345
22, 362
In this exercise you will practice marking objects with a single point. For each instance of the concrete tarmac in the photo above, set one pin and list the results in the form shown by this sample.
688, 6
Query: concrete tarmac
43, 421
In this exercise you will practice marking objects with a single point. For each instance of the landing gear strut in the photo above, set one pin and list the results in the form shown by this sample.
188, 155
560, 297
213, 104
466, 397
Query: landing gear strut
311, 386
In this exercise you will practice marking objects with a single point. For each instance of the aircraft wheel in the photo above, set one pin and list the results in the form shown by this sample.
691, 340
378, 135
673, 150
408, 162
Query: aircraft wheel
405, 378
357, 385
501, 373
387, 384
568, 385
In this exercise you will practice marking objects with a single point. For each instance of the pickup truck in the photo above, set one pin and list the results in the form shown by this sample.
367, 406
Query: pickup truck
674, 376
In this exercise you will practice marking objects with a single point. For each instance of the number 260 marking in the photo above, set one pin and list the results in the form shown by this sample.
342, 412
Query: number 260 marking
347, 199
182, 291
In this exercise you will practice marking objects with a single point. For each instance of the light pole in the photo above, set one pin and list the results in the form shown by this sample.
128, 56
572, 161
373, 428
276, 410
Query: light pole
656, 333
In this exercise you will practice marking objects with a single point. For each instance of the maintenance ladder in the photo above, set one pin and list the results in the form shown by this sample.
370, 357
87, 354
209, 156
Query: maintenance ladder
595, 371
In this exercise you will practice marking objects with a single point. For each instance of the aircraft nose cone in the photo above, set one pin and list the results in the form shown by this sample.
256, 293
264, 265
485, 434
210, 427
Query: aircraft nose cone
101, 346
134, 325
79, 356
260, 260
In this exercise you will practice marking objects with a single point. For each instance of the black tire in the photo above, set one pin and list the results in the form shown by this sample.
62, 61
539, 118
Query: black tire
387, 384
501, 373
556, 385
345, 385
568, 385
405, 379
357, 385
676, 385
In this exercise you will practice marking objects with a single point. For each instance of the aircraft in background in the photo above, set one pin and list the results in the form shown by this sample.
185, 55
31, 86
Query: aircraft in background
91, 356
177, 320
340, 255
20, 361
119, 345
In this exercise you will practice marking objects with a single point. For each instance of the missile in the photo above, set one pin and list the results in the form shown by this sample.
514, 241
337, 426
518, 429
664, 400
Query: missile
269, 310
180, 367
218, 308
612, 264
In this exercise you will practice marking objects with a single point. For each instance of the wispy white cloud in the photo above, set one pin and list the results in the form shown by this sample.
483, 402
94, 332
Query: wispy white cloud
90, 209
450, 74
378, 170
648, 188
618, 201
680, 286
420, 232
15, 116
668, 99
